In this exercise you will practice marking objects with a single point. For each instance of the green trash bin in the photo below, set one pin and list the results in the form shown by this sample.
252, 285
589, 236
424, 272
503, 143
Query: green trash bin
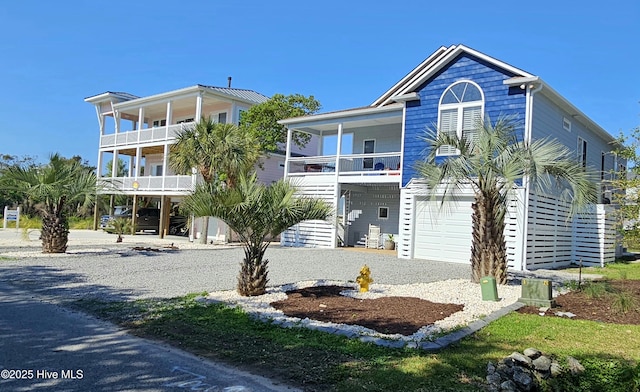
489, 289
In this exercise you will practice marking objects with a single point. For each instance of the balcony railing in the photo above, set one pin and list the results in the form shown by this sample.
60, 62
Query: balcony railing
149, 184
387, 163
147, 135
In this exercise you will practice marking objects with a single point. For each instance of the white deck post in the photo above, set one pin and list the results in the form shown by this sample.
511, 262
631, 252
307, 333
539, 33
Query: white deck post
339, 147
100, 120
198, 107
99, 165
132, 162
336, 194
168, 118
138, 161
140, 118
114, 164
287, 154
165, 161
117, 122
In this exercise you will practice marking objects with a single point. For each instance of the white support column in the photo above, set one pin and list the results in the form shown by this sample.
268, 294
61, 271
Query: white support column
287, 153
99, 166
114, 164
198, 107
336, 194
132, 162
138, 161
100, 120
165, 163
140, 118
339, 149
169, 113
117, 121
320, 146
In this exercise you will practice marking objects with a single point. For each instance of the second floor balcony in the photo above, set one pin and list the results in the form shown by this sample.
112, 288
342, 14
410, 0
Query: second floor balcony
375, 167
176, 185
141, 136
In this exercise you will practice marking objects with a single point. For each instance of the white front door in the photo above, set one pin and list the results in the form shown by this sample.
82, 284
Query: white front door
443, 234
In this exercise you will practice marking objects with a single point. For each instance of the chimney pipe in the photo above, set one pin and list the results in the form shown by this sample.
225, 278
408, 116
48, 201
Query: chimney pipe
229, 81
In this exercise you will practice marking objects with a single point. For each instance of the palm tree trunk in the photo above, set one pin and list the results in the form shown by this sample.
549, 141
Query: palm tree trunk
55, 234
252, 279
488, 249
204, 236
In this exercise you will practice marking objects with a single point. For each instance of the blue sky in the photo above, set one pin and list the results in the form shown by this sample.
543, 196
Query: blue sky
345, 53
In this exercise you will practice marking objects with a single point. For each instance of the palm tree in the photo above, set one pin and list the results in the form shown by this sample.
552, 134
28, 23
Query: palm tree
257, 213
121, 226
51, 187
492, 163
219, 152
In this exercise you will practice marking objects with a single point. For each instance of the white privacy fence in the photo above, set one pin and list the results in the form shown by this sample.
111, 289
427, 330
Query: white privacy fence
554, 241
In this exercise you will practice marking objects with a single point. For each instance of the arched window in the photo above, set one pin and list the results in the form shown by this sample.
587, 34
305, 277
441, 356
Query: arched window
460, 107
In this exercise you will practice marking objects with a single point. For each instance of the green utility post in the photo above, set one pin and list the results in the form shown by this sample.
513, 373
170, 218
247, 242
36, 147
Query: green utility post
489, 289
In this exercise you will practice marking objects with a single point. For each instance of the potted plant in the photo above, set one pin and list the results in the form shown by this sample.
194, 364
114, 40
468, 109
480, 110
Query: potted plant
389, 243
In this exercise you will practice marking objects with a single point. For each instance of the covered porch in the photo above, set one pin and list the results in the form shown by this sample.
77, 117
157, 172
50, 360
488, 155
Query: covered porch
355, 146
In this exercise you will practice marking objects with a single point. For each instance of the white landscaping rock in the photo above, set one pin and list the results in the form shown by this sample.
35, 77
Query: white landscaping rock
457, 291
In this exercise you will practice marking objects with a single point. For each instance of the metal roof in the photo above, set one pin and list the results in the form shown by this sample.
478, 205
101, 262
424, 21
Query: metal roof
119, 94
244, 94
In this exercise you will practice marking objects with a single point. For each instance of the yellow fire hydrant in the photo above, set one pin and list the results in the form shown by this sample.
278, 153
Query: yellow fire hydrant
364, 279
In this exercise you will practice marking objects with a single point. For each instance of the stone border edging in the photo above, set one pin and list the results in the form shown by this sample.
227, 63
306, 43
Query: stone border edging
431, 346
474, 327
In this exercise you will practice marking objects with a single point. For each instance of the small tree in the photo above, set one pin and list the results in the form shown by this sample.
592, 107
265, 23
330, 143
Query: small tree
624, 184
257, 213
51, 188
262, 120
491, 163
121, 226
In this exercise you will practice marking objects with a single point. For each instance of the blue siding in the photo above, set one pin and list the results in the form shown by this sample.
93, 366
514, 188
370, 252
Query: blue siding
423, 114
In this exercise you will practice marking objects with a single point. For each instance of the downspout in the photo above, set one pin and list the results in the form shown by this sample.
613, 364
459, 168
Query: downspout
528, 130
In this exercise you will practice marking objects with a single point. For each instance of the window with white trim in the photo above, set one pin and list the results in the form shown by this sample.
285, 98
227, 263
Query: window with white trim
219, 117
566, 124
461, 106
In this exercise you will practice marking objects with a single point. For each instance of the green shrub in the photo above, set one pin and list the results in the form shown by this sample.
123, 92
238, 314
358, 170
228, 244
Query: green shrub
624, 301
596, 289
78, 223
572, 285
601, 374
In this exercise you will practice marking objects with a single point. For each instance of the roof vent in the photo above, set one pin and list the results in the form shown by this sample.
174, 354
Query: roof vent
229, 82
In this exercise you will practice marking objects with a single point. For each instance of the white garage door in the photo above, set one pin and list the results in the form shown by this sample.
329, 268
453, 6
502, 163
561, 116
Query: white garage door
443, 234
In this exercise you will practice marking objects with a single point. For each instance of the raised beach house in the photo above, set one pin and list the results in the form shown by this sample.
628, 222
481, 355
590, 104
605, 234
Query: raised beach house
374, 184
140, 130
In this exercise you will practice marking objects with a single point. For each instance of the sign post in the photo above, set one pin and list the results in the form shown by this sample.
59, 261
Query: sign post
11, 216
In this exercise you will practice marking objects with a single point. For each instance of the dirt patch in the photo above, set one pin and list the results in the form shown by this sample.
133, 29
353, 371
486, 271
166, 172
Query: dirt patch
389, 315
604, 304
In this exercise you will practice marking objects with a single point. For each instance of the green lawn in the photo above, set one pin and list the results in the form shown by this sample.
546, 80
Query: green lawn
617, 270
319, 361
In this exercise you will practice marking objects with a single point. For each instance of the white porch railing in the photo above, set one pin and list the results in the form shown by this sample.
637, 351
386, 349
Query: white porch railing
147, 135
386, 163
149, 184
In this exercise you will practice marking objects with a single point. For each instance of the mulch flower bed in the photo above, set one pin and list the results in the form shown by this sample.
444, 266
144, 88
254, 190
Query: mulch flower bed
604, 308
387, 315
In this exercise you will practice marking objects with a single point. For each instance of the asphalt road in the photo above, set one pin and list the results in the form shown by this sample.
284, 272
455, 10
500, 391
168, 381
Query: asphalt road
46, 347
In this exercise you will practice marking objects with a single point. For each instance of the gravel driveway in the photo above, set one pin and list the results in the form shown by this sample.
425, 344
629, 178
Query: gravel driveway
96, 266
